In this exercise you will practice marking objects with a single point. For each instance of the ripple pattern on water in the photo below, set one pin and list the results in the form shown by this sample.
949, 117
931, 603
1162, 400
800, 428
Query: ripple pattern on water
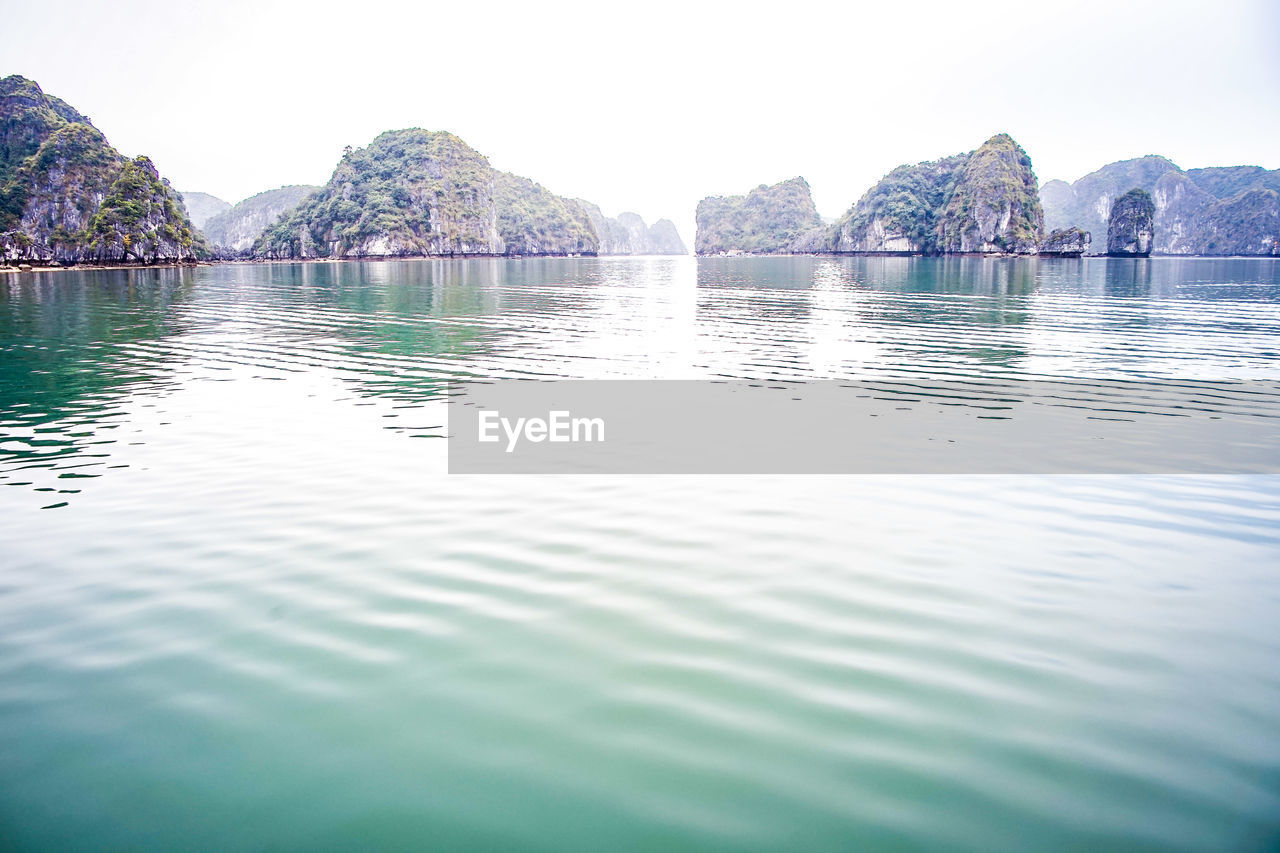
264, 617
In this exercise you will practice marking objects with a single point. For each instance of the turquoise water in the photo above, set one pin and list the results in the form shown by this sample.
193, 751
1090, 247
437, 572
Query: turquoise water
243, 607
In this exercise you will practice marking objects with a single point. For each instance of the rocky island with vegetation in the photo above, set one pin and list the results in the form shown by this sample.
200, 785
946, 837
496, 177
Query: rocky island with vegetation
423, 193
983, 201
987, 202
767, 220
67, 196
1131, 225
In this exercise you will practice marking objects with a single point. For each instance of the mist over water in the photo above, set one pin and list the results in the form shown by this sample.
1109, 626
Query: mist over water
242, 605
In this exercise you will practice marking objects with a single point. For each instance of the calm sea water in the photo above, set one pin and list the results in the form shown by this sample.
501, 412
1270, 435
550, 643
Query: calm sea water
243, 607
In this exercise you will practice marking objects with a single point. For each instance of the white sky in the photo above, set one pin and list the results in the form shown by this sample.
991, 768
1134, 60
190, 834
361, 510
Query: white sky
649, 106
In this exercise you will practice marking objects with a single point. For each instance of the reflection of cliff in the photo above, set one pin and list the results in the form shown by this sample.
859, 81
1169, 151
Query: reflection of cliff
983, 328
73, 336
884, 305
74, 347
755, 292
79, 349
406, 328
1127, 277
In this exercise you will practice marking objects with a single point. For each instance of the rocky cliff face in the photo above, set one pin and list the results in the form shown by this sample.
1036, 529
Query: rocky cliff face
765, 220
233, 231
1198, 212
995, 205
202, 207
1087, 203
1180, 210
1191, 221
983, 201
627, 234
67, 195
1248, 224
1131, 226
1069, 242
421, 193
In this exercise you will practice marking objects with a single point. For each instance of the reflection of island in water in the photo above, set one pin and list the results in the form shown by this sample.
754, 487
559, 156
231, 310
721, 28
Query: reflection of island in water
73, 346
79, 349
968, 308
76, 346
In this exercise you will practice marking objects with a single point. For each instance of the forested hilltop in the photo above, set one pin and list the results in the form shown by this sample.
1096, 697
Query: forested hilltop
67, 196
422, 193
767, 220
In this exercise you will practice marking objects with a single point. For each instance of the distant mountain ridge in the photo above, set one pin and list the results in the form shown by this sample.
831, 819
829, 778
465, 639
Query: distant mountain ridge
202, 207
627, 234
1220, 210
66, 195
234, 230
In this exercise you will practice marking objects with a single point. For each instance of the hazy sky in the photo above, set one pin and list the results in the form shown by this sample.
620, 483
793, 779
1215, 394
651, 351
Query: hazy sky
649, 106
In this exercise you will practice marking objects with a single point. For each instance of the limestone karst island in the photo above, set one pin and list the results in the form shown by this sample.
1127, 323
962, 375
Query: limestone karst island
68, 197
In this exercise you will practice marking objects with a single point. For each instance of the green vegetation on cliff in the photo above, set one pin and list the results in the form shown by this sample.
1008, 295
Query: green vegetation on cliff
1226, 182
75, 167
418, 192
982, 201
995, 203
900, 213
408, 192
1067, 241
67, 195
765, 220
139, 217
535, 221
1131, 225
27, 118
